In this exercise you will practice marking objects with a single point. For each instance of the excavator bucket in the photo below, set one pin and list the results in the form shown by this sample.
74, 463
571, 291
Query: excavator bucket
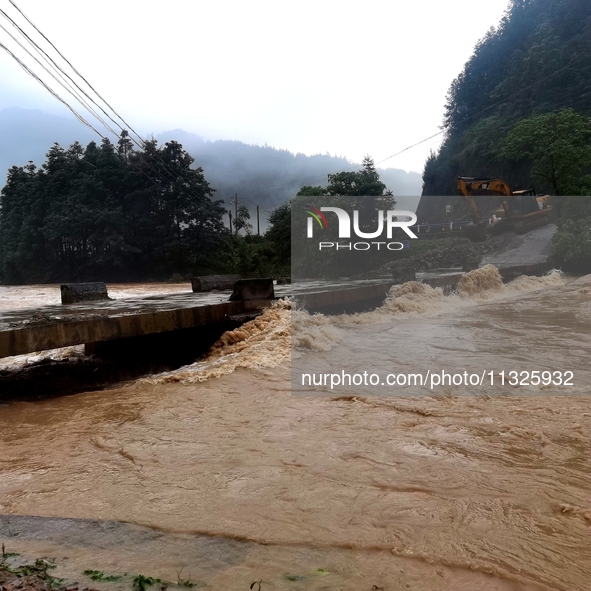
476, 232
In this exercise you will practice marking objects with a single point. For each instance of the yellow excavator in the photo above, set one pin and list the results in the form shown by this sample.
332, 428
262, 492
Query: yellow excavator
520, 211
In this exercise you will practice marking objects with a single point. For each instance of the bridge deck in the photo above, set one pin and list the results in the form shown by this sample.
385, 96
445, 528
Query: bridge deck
49, 327
39, 328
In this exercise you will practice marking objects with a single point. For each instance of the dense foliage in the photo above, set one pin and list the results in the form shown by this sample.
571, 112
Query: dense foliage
572, 242
497, 122
114, 213
521, 110
556, 149
365, 185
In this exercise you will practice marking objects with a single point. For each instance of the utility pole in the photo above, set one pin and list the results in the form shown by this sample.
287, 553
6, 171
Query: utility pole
230, 214
258, 222
236, 210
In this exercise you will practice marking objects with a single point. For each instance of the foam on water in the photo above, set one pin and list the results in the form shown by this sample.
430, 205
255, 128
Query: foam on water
484, 284
480, 283
21, 361
410, 298
553, 278
315, 332
261, 343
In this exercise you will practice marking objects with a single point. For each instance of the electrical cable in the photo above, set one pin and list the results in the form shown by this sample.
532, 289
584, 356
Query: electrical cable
442, 131
74, 69
50, 90
55, 65
65, 85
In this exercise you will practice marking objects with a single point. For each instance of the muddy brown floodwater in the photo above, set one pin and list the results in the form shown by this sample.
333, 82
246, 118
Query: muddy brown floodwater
218, 469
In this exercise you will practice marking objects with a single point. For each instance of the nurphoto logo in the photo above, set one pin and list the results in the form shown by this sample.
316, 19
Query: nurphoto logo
389, 219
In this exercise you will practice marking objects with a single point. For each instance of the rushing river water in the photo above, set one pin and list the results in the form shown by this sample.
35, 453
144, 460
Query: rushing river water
238, 480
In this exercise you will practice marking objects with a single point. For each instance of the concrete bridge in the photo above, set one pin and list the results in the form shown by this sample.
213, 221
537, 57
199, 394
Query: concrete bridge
51, 327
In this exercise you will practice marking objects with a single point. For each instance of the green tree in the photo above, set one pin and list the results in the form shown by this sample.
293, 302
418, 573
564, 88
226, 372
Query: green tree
309, 191
109, 213
279, 233
572, 241
241, 220
367, 193
124, 145
361, 191
558, 148
572, 245
23, 247
363, 183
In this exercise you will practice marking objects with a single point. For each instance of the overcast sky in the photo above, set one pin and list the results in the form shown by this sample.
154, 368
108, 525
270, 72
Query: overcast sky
328, 76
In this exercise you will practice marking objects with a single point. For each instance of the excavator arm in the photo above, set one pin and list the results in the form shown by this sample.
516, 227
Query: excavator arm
472, 186
468, 187
475, 214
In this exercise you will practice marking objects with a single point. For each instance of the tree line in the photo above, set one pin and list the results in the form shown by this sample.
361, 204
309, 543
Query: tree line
262, 175
115, 213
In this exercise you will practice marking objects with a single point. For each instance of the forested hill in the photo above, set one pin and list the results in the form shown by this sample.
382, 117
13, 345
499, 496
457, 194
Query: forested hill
519, 109
261, 175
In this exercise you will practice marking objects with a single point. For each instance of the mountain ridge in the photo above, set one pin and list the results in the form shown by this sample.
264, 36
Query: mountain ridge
261, 175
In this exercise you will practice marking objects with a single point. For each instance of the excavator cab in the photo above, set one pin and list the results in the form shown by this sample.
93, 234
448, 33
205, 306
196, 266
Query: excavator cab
524, 202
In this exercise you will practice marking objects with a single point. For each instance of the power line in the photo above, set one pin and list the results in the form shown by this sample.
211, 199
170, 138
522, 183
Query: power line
495, 104
143, 142
75, 71
51, 91
77, 115
412, 146
153, 159
65, 85
56, 66
442, 131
